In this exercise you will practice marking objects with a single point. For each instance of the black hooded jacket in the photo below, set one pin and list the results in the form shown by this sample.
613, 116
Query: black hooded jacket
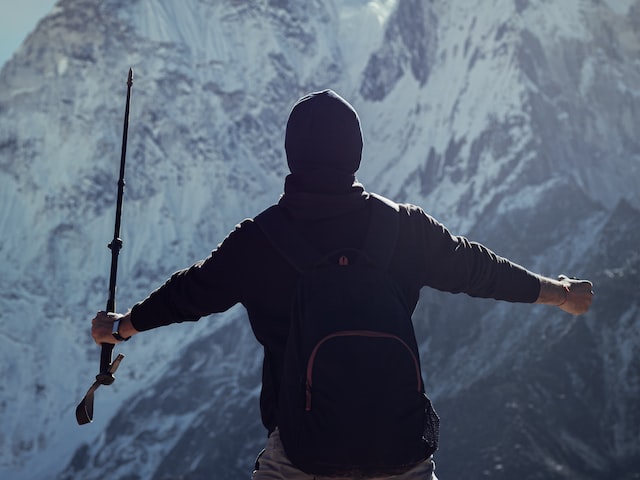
323, 145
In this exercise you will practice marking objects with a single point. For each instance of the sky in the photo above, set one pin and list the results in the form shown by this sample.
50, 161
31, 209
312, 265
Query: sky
17, 19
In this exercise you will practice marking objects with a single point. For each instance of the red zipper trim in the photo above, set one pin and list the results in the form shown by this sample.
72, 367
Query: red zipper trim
354, 333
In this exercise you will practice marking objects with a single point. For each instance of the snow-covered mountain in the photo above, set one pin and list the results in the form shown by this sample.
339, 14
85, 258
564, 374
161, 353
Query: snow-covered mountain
515, 122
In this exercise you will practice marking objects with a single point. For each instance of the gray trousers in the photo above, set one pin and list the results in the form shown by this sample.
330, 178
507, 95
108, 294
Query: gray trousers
273, 464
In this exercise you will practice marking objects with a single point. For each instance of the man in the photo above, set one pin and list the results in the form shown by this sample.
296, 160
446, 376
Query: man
321, 197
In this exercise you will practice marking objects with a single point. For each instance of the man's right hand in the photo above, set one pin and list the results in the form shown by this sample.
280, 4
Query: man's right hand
569, 294
579, 295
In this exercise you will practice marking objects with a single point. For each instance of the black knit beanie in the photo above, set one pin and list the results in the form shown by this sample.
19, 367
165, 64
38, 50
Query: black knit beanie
323, 133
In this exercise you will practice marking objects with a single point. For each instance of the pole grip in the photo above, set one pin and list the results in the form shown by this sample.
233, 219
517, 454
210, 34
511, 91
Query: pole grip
105, 377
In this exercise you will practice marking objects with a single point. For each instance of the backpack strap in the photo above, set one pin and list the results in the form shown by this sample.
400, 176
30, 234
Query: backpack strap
285, 237
382, 236
379, 243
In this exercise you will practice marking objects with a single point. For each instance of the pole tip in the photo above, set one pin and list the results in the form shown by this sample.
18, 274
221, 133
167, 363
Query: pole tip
130, 77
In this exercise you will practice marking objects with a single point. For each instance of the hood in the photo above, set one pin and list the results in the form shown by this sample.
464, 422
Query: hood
323, 133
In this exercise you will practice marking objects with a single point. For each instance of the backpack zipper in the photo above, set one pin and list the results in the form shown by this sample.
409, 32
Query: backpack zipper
355, 333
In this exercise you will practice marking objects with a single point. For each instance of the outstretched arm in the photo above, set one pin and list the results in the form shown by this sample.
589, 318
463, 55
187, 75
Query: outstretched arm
571, 295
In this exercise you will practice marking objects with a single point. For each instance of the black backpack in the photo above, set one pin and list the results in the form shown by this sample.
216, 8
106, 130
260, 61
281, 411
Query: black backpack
351, 399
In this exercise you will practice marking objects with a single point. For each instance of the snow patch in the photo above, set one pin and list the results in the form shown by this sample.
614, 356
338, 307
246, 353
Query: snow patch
63, 64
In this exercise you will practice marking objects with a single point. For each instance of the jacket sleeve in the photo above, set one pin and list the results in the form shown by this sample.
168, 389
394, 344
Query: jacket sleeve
454, 264
209, 286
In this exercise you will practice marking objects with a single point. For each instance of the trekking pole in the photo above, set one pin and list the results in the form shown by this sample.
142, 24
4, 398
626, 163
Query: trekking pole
84, 410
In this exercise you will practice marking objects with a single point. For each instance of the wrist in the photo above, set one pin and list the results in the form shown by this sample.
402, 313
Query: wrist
122, 329
115, 331
566, 291
552, 292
